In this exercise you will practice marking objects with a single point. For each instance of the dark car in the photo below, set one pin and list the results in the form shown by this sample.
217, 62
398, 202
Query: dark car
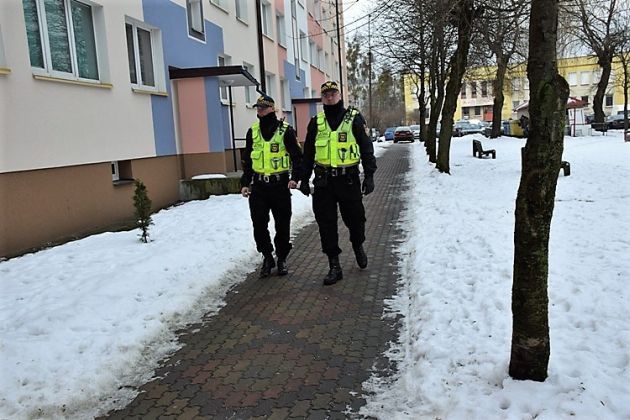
403, 133
615, 121
462, 128
487, 129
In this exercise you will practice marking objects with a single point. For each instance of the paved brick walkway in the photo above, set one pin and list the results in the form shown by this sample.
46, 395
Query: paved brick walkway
288, 347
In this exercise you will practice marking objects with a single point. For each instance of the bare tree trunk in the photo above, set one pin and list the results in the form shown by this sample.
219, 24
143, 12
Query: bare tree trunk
598, 99
535, 200
497, 105
464, 16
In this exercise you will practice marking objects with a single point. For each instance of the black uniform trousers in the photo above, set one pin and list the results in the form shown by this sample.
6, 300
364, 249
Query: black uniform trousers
345, 191
274, 197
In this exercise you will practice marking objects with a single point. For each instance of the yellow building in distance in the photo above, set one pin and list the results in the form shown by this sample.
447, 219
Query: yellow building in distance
476, 96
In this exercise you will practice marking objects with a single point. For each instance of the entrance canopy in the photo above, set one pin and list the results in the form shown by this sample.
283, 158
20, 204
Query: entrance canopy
227, 75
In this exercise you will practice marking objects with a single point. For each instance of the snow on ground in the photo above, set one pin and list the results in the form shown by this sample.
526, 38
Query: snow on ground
81, 320
456, 294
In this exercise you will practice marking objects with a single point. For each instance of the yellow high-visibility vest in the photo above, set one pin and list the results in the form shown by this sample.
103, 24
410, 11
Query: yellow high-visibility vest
337, 148
270, 157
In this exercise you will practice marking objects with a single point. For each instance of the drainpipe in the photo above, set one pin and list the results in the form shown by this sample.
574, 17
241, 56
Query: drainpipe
261, 50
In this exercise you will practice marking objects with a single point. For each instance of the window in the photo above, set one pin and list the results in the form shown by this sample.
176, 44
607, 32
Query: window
265, 7
282, 30
484, 89
223, 61
572, 79
326, 66
609, 100
466, 112
296, 39
3, 61
144, 50
320, 59
585, 98
223, 4
62, 39
270, 81
304, 47
241, 9
515, 104
312, 50
473, 90
284, 94
121, 170
463, 91
477, 110
250, 95
585, 78
516, 84
195, 19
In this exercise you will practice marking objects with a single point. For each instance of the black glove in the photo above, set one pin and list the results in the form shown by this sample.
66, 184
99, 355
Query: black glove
368, 184
305, 188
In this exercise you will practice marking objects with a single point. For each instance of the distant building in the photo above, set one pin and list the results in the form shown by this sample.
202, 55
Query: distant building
98, 93
476, 97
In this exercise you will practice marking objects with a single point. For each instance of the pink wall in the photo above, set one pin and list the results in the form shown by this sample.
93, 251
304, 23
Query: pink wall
193, 122
302, 117
282, 57
315, 31
317, 78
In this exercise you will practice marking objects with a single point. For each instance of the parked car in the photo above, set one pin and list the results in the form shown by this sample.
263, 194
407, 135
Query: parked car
403, 133
487, 129
389, 133
462, 128
416, 131
615, 121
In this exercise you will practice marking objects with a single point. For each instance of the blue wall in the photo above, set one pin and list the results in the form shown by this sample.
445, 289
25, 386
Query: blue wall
182, 51
296, 87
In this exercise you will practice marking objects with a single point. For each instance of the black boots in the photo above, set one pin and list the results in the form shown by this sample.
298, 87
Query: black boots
283, 270
267, 265
335, 274
359, 253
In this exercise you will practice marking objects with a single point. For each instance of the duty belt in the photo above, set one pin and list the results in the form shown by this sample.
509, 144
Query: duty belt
344, 170
270, 179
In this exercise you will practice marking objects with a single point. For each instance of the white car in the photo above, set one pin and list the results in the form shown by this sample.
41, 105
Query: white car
416, 131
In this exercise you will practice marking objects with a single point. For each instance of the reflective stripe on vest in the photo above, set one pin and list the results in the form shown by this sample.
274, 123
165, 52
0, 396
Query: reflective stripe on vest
270, 157
336, 148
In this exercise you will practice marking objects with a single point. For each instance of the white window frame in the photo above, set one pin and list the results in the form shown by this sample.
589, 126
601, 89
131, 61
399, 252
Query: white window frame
196, 22
240, 10
265, 13
312, 51
157, 56
221, 4
585, 77
250, 93
115, 171
97, 23
4, 69
282, 30
284, 89
572, 79
270, 81
224, 60
304, 46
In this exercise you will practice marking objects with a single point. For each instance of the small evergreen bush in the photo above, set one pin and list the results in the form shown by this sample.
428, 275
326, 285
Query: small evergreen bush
142, 204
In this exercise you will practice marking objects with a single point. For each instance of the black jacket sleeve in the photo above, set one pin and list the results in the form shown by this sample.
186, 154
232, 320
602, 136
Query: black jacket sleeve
365, 145
308, 159
246, 160
295, 152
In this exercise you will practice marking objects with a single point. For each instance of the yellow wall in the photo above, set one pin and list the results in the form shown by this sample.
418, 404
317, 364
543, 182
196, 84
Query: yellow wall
516, 86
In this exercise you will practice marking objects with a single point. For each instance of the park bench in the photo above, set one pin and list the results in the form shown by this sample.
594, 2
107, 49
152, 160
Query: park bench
480, 153
566, 167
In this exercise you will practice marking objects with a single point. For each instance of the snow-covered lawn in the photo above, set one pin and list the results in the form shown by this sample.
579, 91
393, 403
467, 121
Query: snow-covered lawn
456, 294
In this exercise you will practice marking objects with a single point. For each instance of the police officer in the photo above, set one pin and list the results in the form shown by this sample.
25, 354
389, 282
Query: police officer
271, 151
336, 141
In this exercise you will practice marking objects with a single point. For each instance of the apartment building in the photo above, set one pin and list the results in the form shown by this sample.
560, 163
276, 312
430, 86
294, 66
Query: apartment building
476, 97
94, 94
